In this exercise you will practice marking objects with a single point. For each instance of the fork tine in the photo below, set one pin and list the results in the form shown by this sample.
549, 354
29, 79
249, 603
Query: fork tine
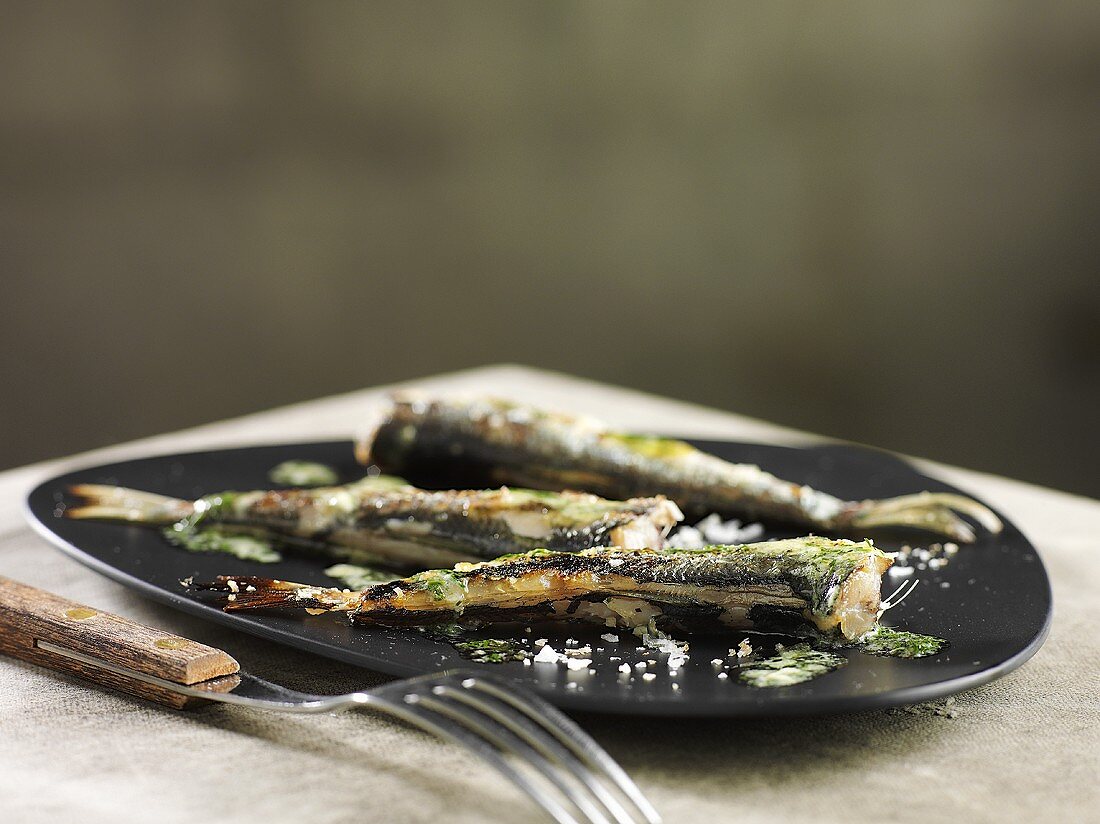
421, 716
440, 700
537, 737
566, 732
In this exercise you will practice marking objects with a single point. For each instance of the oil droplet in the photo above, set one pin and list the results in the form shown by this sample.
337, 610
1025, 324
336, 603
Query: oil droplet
80, 613
170, 643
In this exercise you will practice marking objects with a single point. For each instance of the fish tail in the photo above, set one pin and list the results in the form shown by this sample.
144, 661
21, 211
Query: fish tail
933, 511
249, 592
117, 503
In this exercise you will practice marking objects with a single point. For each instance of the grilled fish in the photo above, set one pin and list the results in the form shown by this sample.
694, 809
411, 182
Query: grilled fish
506, 442
385, 519
802, 586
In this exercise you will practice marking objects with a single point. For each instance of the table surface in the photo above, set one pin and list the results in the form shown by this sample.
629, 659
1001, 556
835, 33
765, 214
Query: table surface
1024, 748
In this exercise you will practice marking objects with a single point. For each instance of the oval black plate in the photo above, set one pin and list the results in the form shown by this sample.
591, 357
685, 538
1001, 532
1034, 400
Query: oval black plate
992, 601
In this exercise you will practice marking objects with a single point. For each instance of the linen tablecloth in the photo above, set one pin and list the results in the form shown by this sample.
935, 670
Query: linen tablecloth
1024, 748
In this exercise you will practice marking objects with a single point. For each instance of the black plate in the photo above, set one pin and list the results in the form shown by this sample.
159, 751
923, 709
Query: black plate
992, 601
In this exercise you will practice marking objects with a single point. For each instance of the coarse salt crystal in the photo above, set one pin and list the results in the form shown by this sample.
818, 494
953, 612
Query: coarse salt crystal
716, 531
686, 537
610, 637
649, 676
624, 668
547, 655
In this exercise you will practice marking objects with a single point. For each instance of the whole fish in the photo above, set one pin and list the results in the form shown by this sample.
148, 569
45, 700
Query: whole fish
383, 518
506, 442
801, 586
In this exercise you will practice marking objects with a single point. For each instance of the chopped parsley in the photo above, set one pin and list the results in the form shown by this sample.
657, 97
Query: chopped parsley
245, 547
355, 576
303, 473
900, 644
790, 666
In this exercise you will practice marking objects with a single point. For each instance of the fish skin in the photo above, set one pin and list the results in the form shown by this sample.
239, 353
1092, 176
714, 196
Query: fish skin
478, 523
384, 518
804, 581
807, 572
498, 441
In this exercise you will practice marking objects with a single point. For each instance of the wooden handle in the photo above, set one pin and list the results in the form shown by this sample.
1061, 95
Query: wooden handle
29, 615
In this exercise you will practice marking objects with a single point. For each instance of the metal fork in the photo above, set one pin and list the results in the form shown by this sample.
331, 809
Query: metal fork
528, 741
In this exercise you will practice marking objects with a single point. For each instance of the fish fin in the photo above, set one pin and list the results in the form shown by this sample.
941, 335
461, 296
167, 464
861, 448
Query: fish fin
117, 503
248, 592
931, 511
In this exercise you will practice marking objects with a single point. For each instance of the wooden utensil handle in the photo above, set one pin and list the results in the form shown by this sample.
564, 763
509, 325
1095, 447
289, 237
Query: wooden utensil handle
29, 616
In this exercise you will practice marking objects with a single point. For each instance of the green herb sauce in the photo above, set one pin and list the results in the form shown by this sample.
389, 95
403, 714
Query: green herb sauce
651, 447
900, 644
791, 666
209, 507
245, 547
479, 650
445, 632
491, 650
441, 584
303, 473
355, 576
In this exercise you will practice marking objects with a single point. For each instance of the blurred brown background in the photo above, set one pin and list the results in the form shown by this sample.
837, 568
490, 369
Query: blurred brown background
875, 221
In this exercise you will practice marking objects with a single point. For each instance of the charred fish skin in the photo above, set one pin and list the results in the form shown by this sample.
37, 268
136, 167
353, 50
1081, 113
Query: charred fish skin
384, 517
503, 442
823, 588
510, 443
478, 523
831, 588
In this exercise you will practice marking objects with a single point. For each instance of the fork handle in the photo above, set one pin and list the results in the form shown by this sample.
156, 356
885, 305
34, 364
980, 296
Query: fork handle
29, 615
